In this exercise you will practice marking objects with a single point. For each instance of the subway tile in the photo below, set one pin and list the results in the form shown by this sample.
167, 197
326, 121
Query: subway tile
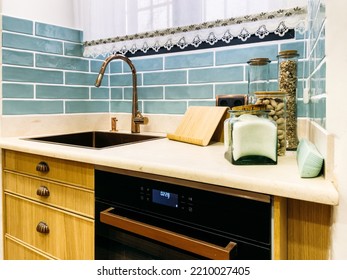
114, 67
17, 25
234, 88
242, 55
17, 58
95, 66
58, 32
189, 92
202, 103
86, 107
71, 49
221, 74
145, 93
21, 42
100, 93
19, 74
123, 80
147, 64
29, 107
116, 93
165, 78
120, 106
17, 90
61, 62
86, 79
189, 61
165, 107
61, 92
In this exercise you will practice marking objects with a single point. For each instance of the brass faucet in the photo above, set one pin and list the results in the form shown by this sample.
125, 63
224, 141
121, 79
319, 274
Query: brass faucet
136, 116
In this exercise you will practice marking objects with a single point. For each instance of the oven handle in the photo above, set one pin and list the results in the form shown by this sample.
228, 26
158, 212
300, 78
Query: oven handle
177, 240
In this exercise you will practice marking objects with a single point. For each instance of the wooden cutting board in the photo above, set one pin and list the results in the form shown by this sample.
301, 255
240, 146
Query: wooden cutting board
200, 124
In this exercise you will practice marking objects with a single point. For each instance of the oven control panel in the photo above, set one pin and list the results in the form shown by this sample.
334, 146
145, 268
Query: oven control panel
162, 197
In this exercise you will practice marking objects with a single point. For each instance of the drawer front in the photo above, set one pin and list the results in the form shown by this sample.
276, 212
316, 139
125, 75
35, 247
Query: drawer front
16, 251
60, 195
60, 234
70, 172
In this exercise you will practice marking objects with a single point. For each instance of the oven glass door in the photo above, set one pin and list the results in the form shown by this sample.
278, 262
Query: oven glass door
121, 237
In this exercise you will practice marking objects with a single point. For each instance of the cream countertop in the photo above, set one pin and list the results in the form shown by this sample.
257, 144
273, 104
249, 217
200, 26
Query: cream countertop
191, 162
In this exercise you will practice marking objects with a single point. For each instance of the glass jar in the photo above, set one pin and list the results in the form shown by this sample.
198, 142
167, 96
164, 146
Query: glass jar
258, 76
251, 137
287, 82
275, 102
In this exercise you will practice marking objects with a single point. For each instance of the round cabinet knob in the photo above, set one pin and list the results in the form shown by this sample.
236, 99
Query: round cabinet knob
42, 167
42, 227
43, 191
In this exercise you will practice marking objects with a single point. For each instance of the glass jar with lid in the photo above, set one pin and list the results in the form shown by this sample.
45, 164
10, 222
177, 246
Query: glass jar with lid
250, 136
287, 82
258, 76
275, 102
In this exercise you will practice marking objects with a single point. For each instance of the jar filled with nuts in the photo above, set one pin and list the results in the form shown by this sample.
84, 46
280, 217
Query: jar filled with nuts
275, 102
287, 82
258, 76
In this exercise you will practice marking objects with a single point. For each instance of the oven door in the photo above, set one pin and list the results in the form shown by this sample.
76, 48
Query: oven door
120, 236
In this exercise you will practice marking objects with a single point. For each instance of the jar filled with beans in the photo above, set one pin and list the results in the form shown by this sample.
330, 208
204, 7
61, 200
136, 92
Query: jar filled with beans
287, 82
275, 102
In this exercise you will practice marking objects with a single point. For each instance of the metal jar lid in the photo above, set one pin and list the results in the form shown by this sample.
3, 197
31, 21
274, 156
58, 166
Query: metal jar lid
259, 61
270, 93
249, 107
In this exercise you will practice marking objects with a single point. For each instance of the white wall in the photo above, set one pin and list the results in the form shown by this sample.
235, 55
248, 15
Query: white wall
336, 115
56, 12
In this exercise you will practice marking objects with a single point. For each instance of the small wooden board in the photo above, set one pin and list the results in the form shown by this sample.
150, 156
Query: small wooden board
199, 125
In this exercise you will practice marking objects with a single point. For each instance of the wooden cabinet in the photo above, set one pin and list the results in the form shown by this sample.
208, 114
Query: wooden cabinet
48, 207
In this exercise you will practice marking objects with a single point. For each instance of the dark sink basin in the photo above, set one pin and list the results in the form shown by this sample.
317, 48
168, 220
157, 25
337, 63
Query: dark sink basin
95, 139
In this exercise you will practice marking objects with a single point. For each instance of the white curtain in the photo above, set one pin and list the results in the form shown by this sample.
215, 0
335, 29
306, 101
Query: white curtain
111, 26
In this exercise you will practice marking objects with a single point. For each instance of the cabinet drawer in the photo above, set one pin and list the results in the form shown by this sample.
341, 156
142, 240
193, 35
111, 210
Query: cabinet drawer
16, 251
67, 237
71, 172
60, 195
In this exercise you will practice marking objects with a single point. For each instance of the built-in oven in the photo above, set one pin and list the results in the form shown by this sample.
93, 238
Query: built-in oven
142, 216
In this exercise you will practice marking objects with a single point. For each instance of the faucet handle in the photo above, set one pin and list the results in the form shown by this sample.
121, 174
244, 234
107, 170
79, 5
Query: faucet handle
139, 119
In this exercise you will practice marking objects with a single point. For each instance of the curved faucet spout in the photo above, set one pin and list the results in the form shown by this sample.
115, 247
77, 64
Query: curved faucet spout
136, 116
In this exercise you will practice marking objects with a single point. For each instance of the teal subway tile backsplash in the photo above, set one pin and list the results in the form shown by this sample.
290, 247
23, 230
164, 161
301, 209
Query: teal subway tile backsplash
219, 74
32, 107
165, 107
165, 78
22, 42
144, 93
57, 32
59, 62
44, 72
17, 25
61, 92
189, 61
243, 54
18, 74
17, 58
86, 107
25, 91
189, 92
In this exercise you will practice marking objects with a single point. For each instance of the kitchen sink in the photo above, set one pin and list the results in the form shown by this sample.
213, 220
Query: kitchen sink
95, 139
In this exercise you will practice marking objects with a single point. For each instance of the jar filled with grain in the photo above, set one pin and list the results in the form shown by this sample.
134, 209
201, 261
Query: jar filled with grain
275, 102
258, 76
287, 82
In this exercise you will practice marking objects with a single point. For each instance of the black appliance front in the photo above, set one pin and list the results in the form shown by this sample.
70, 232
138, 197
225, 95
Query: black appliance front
128, 206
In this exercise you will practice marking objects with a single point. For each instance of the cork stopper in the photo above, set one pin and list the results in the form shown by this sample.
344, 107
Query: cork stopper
259, 61
288, 53
249, 107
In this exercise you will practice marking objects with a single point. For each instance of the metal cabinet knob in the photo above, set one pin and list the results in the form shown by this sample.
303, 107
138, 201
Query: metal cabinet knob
42, 227
43, 191
42, 167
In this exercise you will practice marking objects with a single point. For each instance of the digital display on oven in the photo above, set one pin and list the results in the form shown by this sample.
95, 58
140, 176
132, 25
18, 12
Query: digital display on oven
165, 198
